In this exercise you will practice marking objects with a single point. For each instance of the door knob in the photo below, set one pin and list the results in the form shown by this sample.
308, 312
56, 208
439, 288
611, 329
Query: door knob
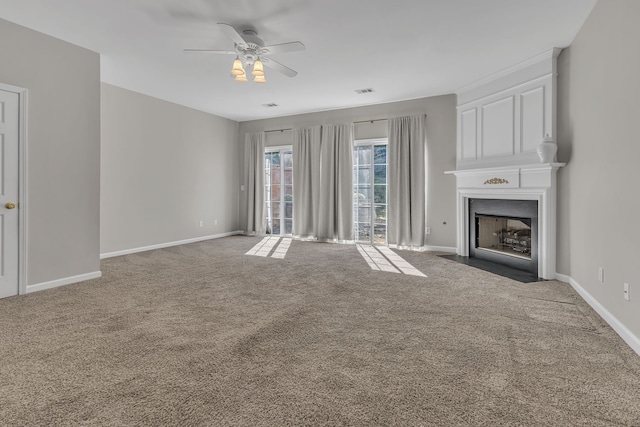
10, 205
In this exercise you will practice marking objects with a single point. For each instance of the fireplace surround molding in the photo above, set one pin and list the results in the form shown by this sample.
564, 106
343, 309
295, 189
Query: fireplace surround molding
527, 182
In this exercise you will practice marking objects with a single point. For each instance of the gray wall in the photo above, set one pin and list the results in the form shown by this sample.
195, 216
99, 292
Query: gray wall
165, 168
441, 135
599, 207
63, 150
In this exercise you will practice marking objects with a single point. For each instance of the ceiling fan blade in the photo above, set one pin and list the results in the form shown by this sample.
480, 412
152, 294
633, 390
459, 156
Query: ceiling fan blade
224, 52
232, 34
275, 65
285, 47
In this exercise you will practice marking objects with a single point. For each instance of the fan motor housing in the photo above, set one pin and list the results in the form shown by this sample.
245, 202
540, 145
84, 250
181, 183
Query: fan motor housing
251, 37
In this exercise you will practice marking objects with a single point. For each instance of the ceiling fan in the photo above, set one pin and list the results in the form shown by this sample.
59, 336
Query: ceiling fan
250, 51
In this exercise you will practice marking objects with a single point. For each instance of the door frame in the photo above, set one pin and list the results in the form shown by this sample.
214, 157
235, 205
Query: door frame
22, 183
365, 142
280, 149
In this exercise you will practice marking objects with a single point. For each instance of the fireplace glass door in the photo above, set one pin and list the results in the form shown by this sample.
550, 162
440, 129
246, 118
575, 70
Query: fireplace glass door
504, 231
509, 236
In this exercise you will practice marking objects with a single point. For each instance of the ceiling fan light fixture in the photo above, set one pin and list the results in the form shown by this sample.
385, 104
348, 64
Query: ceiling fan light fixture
258, 69
249, 49
237, 69
241, 77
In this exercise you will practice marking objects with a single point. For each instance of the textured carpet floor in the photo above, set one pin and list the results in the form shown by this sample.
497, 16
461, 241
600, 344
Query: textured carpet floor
202, 334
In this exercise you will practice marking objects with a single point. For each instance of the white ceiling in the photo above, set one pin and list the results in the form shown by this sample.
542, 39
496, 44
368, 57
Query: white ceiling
403, 49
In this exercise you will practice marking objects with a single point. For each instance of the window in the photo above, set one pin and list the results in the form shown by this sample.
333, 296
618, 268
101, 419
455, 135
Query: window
370, 191
278, 190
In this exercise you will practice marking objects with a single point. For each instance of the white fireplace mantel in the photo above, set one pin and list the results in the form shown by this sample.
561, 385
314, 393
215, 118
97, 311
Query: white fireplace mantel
526, 182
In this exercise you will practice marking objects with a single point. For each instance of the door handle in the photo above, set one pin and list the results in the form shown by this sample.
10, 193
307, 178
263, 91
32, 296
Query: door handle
10, 205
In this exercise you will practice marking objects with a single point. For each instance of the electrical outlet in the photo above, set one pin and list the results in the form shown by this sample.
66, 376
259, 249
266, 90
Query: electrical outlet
601, 274
242, 188
428, 231
626, 291
201, 223
215, 222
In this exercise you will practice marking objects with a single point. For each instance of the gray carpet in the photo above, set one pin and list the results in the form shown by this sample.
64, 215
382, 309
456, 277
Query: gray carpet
202, 334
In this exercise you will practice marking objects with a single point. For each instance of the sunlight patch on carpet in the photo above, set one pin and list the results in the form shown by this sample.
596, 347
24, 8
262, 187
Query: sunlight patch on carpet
375, 259
264, 247
384, 259
282, 249
400, 263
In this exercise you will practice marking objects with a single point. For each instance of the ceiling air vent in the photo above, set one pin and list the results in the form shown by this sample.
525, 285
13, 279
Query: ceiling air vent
361, 91
270, 105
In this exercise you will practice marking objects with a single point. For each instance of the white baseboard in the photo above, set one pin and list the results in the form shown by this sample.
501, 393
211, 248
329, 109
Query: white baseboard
424, 248
628, 336
563, 278
62, 282
440, 248
168, 244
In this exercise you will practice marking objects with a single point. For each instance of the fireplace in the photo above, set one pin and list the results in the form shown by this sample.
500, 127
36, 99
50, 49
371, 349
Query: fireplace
504, 231
502, 123
517, 197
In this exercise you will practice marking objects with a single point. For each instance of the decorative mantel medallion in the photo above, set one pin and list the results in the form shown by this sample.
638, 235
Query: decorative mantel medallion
493, 181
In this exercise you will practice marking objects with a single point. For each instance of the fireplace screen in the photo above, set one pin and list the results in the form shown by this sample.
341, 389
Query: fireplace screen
509, 236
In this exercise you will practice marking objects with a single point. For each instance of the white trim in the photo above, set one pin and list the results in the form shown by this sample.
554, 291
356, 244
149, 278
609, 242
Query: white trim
277, 148
440, 248
624, 333
370, 141
563, 278
168, 244
549, 54
62, 282
337, 241
407, 248
509, 168
500, 93
22, 183
22, 194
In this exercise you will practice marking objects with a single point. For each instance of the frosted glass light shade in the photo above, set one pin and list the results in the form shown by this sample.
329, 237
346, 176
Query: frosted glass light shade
258, 70
237, 68
241, 77
259, 79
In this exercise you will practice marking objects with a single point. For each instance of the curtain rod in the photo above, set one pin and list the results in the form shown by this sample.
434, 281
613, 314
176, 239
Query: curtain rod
277, 130
355, 123
369, 121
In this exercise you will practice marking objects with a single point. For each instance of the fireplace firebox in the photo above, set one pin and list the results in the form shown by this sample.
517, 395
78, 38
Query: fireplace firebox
505, 231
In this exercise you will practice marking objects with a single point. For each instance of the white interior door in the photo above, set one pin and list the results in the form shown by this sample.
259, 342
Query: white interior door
9, 128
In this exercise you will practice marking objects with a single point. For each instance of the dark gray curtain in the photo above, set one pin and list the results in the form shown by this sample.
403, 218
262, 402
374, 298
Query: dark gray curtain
407, 181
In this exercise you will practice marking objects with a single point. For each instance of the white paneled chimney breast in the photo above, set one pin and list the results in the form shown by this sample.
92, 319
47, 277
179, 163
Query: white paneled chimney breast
505, 125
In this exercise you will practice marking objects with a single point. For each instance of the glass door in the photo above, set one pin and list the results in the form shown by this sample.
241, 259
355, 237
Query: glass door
370, 191
278, 190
